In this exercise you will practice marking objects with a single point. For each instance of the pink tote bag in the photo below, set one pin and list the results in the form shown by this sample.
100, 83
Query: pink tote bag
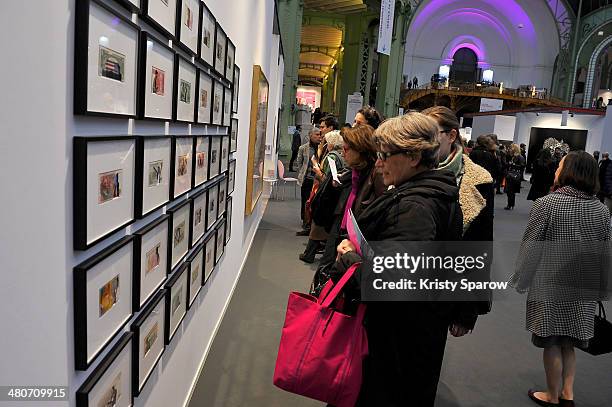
321, 350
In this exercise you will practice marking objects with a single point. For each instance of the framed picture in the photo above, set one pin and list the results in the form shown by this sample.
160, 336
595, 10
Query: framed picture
215, 157
207, 37
155, 79
182, 165
213, 201
185, 90
257, 139
233, 136
225, 148
217, 104
230, 61
209, 255
105, 61
188, 31
132, 5
148, 343
200, 170
110, 384
220, 49
231, 176
227, 106
195, 268
205, 88
228, 219
221, 196
198, 217
153, 161
104, 173
150, 260
161, 14
102, 299
235, 89
176, 301
178, 233
220, 241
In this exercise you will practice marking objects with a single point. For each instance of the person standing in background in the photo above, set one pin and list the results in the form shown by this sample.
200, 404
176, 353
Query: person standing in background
295, 146
542, 176
605, 181
306, 174
514, 176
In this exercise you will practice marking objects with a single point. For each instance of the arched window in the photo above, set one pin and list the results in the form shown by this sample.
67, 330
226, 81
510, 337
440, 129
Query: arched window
464, 67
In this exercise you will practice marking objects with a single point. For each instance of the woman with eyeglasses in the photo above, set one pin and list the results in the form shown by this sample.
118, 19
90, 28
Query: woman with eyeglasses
406, 339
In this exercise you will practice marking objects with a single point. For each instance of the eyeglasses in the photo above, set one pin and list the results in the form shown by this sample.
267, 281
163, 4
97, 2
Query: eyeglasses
383, 155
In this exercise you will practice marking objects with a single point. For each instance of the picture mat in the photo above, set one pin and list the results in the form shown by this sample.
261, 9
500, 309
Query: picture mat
221, 194
147, 363
221, 44
230, 61
190, 37
220, 242
205, 84
209, 253
178, 252
217, 116
234, 135
105, 95
123, 364
157, 106
186, 72
225, 149
231, 177
104, 157
213, 198
100, 330
198, 230
150, 282
176, 317
215, 151
236, 89
164, 15
195, 282
202, 146
207, 53
228, 216
227, 106
156, 149
184, 146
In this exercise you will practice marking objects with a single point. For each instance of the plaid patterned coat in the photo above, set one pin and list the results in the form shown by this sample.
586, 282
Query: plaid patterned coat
565, 217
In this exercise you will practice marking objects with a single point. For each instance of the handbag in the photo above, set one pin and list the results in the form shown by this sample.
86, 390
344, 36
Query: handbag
601, 343
321, 350
320, 279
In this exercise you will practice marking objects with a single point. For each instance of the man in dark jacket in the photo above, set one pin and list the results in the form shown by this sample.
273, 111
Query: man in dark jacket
605, 181
295, 146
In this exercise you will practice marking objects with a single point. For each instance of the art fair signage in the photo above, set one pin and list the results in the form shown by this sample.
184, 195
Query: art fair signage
385, 29
491, 105
353, 104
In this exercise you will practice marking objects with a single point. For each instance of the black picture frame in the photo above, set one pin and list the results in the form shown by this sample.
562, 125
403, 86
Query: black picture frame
214, 159
228, 219
204, 118
80, 304
169, 288
130, 6
82, 394
138, 237
231, 176
136, 330
139, 212
235, 88
226, 117
80, 160
171, 212
220, 69
229, 70
212, 106
204, 62
212, 198
206, 140
143, 86
81, 60
150, 20
225, 148
233, 132
193, 198
210, 245
178, 24
221, 197
172, 196
199, 249
220, 247
175, 102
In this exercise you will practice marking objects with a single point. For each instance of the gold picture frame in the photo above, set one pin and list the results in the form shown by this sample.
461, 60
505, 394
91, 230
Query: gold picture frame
257, 139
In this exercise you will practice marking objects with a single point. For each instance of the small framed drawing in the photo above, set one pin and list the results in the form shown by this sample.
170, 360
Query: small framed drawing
202, 149
176, 301
102, 299
205, 84
228, 219
184, 93
188, 31
105, 61
231, 176
148, 344
178, 233
220, 241
220, 49
150, 260
155, 79
110, 384
235, 89
213, 201
195, 274
209, 255
233, 136
227, 106
153, 161
225, 148
198, 217
215, 159
161, 14
221, 196
104, 173
217, 104
230, 60
207, 37
182, 165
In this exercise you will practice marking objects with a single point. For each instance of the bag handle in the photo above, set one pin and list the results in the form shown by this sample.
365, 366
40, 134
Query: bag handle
338, 287
602, 310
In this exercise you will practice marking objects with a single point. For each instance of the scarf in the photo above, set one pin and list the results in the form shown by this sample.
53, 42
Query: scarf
571, 191
454, 163
351, 198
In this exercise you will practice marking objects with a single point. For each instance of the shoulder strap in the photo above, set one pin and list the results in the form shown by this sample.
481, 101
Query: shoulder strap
327, 301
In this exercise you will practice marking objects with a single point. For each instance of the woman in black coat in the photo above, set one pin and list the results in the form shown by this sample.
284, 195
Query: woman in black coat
406, 339
543, 175
514, 174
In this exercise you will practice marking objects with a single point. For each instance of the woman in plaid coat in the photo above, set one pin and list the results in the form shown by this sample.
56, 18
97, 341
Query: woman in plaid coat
555, 268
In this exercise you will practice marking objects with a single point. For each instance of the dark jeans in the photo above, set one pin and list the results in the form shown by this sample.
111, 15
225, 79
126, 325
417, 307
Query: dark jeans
333, 240
293, 157
511, 198
306, 189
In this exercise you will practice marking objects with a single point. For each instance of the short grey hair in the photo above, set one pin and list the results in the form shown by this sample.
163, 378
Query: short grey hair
334, 138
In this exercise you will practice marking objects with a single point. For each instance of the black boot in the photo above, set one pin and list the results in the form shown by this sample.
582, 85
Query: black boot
309, 254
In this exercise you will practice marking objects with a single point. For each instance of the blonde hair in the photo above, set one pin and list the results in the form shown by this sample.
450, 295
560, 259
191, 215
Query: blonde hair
514, 150
334, 139
414, 133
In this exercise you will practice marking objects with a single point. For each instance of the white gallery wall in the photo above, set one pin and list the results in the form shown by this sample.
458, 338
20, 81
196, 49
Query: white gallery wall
501, 125
37, 126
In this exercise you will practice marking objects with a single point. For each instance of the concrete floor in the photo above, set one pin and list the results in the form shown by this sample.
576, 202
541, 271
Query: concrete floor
494, 366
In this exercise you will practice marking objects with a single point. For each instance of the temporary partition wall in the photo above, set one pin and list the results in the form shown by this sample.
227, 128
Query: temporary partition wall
38, 125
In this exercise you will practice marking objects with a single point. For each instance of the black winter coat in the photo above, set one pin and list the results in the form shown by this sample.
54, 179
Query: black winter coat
487, 160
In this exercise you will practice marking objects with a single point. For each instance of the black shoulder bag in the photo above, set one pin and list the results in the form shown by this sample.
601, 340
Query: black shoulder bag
601, 343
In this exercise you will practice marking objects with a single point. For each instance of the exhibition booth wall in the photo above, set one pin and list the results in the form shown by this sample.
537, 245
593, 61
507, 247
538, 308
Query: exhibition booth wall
39, 127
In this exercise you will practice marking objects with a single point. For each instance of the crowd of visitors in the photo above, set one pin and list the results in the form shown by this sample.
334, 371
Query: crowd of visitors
413, 178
